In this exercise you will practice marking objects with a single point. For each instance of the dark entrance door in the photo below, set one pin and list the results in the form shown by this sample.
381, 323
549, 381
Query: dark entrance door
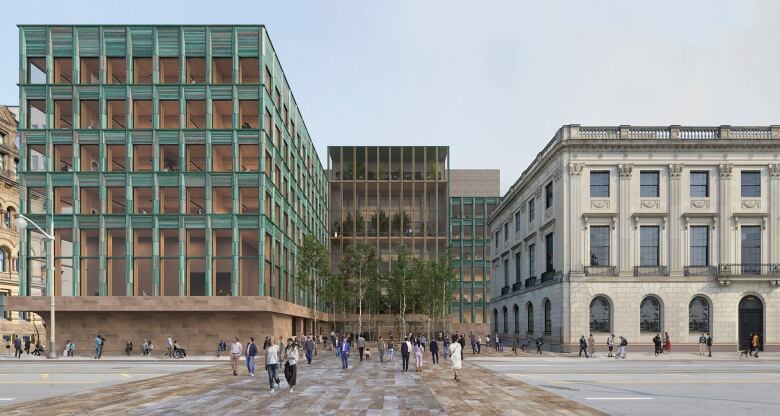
751, 319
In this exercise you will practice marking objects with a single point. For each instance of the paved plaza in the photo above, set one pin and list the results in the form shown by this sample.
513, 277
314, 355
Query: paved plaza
323, 388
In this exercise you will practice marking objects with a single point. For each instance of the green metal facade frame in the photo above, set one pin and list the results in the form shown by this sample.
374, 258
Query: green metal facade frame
470, 240
304, 200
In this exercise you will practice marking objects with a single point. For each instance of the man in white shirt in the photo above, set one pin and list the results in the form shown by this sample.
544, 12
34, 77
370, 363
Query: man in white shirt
272, 363
235, 353
170, 347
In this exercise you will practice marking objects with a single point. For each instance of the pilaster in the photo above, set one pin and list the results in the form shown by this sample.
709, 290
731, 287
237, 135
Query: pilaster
724, 208
675, 212
575, 211
774, 207
624, 224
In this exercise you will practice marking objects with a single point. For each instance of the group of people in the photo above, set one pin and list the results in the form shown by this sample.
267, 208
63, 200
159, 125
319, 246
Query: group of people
21, 345
662, 346
275, 354
70, 348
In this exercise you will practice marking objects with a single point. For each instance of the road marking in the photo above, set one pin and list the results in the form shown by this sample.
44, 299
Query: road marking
7, 399
665, 382
44, 376
619, 398
47, 382
125, 375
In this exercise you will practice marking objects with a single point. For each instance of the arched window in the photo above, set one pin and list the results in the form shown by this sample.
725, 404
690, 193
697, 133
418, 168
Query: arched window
10, 214
650, 315
5, 257
7, 219
699, 315
547, 317
516, 313
495, 320
506, 320
530, 310
600, 315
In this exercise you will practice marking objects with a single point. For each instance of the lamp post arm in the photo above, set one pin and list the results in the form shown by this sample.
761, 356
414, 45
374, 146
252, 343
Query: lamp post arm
45, 234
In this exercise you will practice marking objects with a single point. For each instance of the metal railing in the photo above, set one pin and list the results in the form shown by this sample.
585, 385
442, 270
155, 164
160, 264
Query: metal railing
531, 281
517, 286
769, 269
505, 290
550, 275
601, 271
651, 271
700, 270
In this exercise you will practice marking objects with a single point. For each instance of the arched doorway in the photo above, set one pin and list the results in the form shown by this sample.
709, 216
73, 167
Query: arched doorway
751, 319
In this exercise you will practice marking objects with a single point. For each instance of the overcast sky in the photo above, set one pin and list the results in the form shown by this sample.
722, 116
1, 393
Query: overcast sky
493, 80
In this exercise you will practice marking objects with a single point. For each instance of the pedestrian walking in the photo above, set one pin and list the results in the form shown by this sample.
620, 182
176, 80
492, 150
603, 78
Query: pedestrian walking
251, 351
422, 341
667, 342
272, 363
539, 343
462, 342
381, 348
434, 351
361, 344
622, 347
333, 342
479, 345
610, 344
516, 343
235, 352
169, 352
456, 352
446, 349
309, 349
345, 347
18, 347
496, 343
27, 345
709, 344
591, 345
222, 347
390, 351
418, 357
473, 344
99, 343
755, 344
702, 343
291, 364
583, 346
406, 348
657, 344
7, 345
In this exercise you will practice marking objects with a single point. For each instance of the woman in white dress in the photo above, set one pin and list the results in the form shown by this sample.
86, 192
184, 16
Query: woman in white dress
455, 356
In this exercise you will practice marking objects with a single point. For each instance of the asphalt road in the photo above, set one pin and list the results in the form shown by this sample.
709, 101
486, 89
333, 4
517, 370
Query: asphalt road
32, 380
654, 387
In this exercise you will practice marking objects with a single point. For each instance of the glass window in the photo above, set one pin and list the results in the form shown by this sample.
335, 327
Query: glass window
249, 70
530, 320
700, 245
506, 272
547, 317
648, 184
142, 114
36, 114
650, 315
518, 221
37, 157
531, 210
648, 246
532, 260
169, 70
116, 114
751, 184
63, 71
116, 71
169, 114
89, 73
506, 231
699, 315
196, 114
249, 114
600, 315
599, 184
516, 315
751, 249
599, 246
548, 195
36, 70
63, 114
700, 184
196, 70
518, 267
221, 114
142, 70
221, 70
549, 253
90, 118
169, 200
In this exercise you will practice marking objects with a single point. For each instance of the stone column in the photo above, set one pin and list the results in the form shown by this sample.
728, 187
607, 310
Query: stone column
774, 207
575, 210
624, 243
724, 208
676, 248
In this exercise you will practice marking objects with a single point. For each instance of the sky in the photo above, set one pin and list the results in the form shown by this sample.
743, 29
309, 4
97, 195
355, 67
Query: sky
494, 80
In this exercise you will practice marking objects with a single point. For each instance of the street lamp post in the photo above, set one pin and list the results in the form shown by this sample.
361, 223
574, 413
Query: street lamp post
21, 223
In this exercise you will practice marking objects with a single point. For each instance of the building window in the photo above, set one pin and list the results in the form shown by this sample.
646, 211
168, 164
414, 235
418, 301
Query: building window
599, 184
649, 246
142, 114
221, 114
142, 70
698, 315
89, 71
63, 71
196, 70
532, 260
516, 316
506, 320
700, 245
506, 272
600, 315
63, 114
650, 315
495, 238
495, 320
751, 184
36, 70
547, 317
648, 184
116, 70
36, 114
548, 195
700, 184
549, 253
5, 258
518, 267
221, 70
531, 210
518, 221
116, 117
599, 246
169, 70
506, 231
751, 249
530, 321
249, 70
169, 114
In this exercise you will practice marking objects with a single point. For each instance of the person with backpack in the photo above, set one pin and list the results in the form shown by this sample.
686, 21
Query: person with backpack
622, 347
610, 344
271, 363
539, 343
583, 346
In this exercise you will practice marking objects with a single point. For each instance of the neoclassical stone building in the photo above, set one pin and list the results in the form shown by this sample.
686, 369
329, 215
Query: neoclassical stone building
638, 230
